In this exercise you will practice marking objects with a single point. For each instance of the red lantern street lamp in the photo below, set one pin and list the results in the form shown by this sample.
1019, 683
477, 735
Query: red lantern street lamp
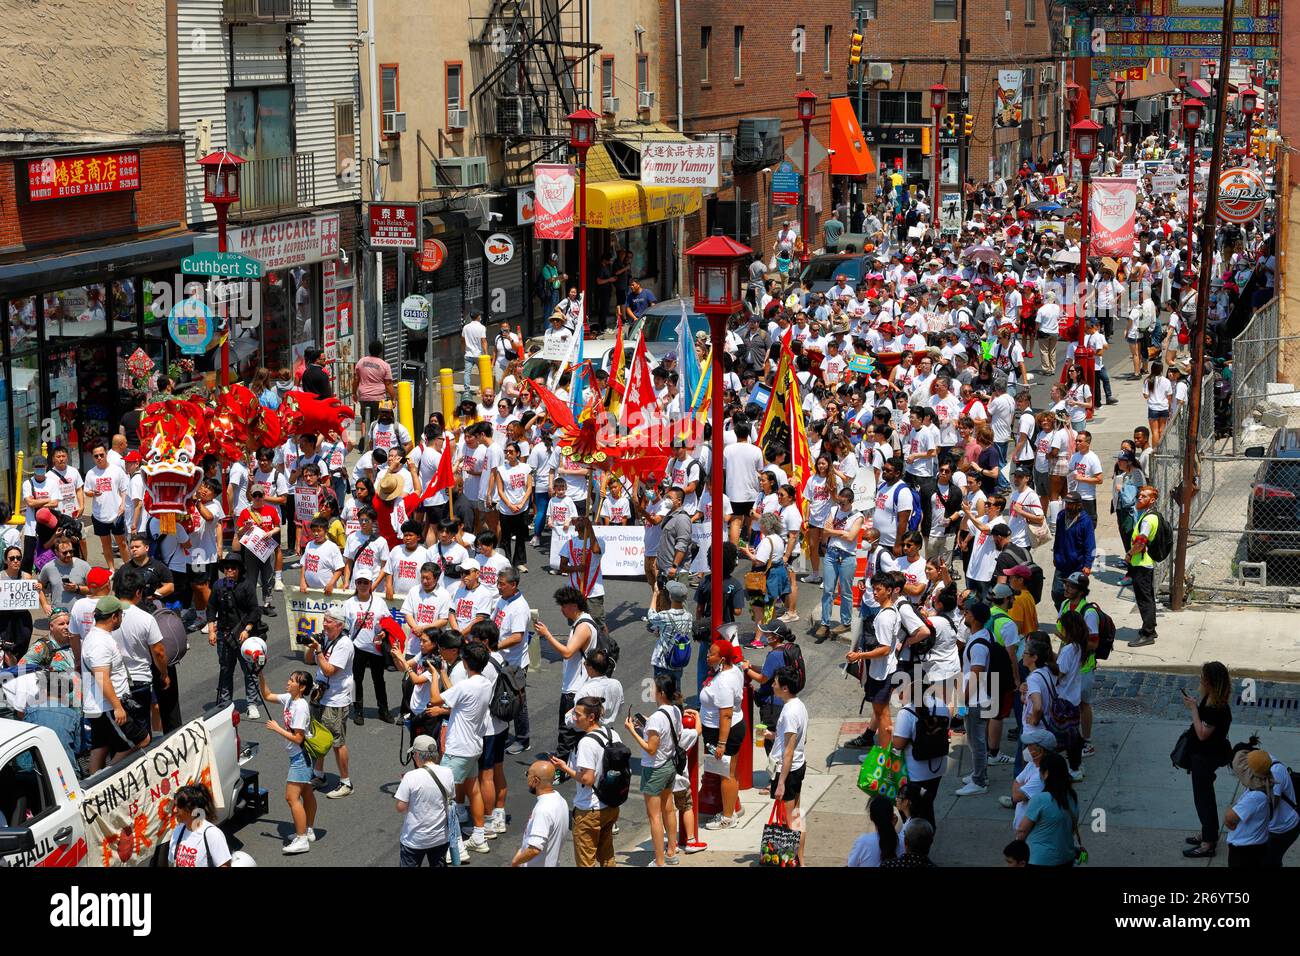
1248, 99
1182, 81
582, 134
938, 100
1193, 114
1084, 136
807, 104
717, 266
221, 189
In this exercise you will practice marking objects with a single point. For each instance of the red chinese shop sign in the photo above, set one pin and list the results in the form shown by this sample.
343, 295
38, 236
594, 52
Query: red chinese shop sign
70, 177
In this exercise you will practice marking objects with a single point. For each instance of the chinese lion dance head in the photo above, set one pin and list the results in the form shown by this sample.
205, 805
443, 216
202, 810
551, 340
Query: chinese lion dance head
179, 433
302, 413
171, 461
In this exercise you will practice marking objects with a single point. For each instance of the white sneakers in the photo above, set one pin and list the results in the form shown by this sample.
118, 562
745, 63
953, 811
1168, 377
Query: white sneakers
342, 790
1002, 758
252, 713
496, 823
971, 789
1005, 802
299, 844
479, 846
1077, 775
722, 823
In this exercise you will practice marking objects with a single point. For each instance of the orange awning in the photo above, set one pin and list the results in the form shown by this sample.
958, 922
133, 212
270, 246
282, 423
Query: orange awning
851, 155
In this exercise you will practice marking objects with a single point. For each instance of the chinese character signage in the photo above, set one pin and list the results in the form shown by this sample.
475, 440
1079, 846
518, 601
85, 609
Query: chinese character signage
393, 226
553, 188
288, 243
680, 164
70, 177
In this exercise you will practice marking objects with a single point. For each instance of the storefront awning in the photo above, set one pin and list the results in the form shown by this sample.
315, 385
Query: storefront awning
84, 266
623, 204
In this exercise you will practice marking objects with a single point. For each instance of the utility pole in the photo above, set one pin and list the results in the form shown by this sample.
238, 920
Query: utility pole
963, 143
1177, 585
862, 119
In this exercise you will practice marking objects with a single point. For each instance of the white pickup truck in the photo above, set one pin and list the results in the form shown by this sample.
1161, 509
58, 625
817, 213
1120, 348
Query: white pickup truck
121, 816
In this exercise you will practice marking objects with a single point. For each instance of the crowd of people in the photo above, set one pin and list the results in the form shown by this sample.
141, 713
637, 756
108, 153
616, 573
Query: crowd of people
937, 502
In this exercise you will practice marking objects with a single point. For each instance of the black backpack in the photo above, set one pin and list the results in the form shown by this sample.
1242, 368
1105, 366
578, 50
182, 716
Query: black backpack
508, 692
794, 658
1105, 633
1162, 545
614, 774
607, 644
999, 667
931, 739
679, 755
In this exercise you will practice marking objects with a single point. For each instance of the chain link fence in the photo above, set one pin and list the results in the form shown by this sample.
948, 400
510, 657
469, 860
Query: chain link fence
1244, 542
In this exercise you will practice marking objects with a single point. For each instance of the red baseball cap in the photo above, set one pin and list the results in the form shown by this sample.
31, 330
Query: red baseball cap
133, 456
98, 577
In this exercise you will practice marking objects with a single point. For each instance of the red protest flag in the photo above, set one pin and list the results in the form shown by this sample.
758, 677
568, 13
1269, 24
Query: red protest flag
444, 477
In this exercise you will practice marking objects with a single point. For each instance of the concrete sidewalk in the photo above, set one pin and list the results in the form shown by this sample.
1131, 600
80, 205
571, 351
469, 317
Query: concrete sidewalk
1252, 642
1136, 808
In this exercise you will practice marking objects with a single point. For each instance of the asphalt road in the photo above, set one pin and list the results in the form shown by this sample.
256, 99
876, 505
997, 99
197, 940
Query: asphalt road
362, 829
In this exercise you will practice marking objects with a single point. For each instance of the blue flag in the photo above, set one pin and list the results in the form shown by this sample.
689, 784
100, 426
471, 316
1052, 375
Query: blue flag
688, 365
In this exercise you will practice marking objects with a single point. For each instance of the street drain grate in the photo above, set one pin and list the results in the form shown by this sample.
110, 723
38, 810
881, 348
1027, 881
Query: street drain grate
1121, 706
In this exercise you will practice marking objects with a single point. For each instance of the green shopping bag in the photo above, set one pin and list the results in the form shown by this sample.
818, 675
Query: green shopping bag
882, 772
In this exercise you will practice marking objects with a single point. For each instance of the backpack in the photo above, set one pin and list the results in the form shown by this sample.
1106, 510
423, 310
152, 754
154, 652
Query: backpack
999, 667
925, 645
1295, 782
914, 518
679, 655
1105, 632
931, 739
794, 658
508, 692
607, 644
1035, 583
679, 755
1162, 544
614, 774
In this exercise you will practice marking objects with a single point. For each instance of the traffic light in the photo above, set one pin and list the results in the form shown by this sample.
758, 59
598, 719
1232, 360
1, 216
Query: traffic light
1258, 146
855, 49
950, 124
925, 141
968, 125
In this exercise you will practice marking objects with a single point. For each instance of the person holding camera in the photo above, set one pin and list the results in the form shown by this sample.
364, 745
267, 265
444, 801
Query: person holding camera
234, 617
333, 659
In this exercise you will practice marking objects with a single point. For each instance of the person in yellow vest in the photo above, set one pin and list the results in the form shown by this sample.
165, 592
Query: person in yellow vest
1141, 565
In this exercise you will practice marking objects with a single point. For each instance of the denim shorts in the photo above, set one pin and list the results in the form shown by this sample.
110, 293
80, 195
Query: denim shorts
1085, 684
299, 767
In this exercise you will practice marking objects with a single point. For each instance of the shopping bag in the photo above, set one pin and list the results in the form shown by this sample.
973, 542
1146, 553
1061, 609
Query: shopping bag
780, 843
882, 772
719, 766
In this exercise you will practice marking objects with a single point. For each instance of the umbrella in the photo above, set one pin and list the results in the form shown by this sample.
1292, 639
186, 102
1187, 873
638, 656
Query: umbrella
1068, 256
982, 254
1045, 205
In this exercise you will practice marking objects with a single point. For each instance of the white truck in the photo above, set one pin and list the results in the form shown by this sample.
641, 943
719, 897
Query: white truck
121, 816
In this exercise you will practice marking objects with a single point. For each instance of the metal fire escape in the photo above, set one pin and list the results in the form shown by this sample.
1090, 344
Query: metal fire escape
530, 58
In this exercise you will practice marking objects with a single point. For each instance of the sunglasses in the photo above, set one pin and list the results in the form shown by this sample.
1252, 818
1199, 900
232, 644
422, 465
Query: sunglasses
14, 557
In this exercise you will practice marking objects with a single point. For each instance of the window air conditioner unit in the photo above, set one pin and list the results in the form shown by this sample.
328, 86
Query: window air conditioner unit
609, 105
460, 172
1044, 74
394, 124
880, 71
457, 119
645, 100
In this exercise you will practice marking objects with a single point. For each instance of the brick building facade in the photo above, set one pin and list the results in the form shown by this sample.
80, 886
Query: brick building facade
920, 41
32, 226
717, 96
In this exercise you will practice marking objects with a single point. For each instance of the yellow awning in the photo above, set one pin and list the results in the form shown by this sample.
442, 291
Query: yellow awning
624, 204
